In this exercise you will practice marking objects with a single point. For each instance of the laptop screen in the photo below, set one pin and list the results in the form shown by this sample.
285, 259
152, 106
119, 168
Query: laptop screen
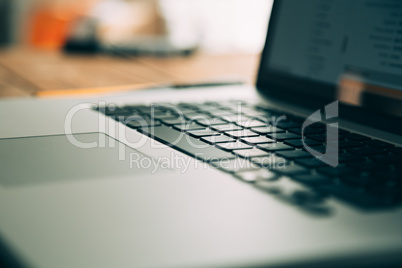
346, 50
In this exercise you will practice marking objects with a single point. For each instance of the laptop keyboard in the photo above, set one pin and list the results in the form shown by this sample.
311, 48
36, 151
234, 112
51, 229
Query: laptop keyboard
250, 142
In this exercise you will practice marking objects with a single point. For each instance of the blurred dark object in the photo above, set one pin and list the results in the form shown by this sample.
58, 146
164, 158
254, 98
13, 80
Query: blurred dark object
88, 35
207, 84
82, 37
5, 22
158, 46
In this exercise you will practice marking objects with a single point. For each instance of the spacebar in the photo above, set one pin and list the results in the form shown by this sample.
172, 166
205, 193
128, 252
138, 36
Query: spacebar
185, 143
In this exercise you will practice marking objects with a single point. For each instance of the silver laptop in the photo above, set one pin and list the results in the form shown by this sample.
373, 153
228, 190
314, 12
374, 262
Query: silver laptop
303, 169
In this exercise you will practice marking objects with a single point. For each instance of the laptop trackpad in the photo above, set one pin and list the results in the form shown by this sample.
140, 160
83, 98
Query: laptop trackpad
45, 159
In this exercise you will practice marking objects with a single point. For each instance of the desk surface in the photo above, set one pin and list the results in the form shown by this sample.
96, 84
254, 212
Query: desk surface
25, 72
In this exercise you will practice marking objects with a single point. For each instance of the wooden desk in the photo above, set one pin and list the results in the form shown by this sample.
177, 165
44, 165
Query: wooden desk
25, 72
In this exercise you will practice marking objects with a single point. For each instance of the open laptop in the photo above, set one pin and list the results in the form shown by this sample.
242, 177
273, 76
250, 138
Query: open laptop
302, 170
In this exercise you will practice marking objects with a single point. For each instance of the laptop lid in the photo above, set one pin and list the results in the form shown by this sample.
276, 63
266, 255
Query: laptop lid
318, 51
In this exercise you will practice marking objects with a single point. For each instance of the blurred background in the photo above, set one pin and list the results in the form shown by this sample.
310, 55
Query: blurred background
215, 26
132, 29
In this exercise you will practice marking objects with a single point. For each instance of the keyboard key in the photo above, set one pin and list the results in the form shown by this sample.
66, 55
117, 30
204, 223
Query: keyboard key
388, 177
300, 144
115, 111
250, 123
357, 181
188, 127
355, 137
197, 116
186, 144
250, 110
203, 133
365, 165
380, 144
248, 153
296, 118
290, 169
207, 108
185, 112
343, 144
187, 106
254, 113
176, 121
322, 137
149, 109
317, 125
367, 151
257, 140
211, 121
234, 118
336, 171
270, 161
294, 154
235, 165
387, 159
313, 179
133, 106
217, 139
347, 157
274, 147
220, 113
266, 130
319, 148
161, 106
213, 103
139, 122
234, 104
265, 108
227, 127
306, 131
241, 133
165, 116
397, 150
352, 195
256, 175
284, 136
229, 146
310, 162
266, 118
288, 124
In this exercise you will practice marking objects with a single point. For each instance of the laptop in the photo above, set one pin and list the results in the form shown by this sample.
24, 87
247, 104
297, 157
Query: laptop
301, 170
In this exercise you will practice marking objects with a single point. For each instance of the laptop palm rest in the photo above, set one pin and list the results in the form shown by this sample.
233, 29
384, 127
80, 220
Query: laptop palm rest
50, 159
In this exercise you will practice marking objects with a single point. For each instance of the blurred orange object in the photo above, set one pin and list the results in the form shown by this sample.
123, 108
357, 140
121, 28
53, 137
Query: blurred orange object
50, 22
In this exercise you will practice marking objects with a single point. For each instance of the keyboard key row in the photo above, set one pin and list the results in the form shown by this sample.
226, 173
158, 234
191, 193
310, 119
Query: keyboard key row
239, 134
